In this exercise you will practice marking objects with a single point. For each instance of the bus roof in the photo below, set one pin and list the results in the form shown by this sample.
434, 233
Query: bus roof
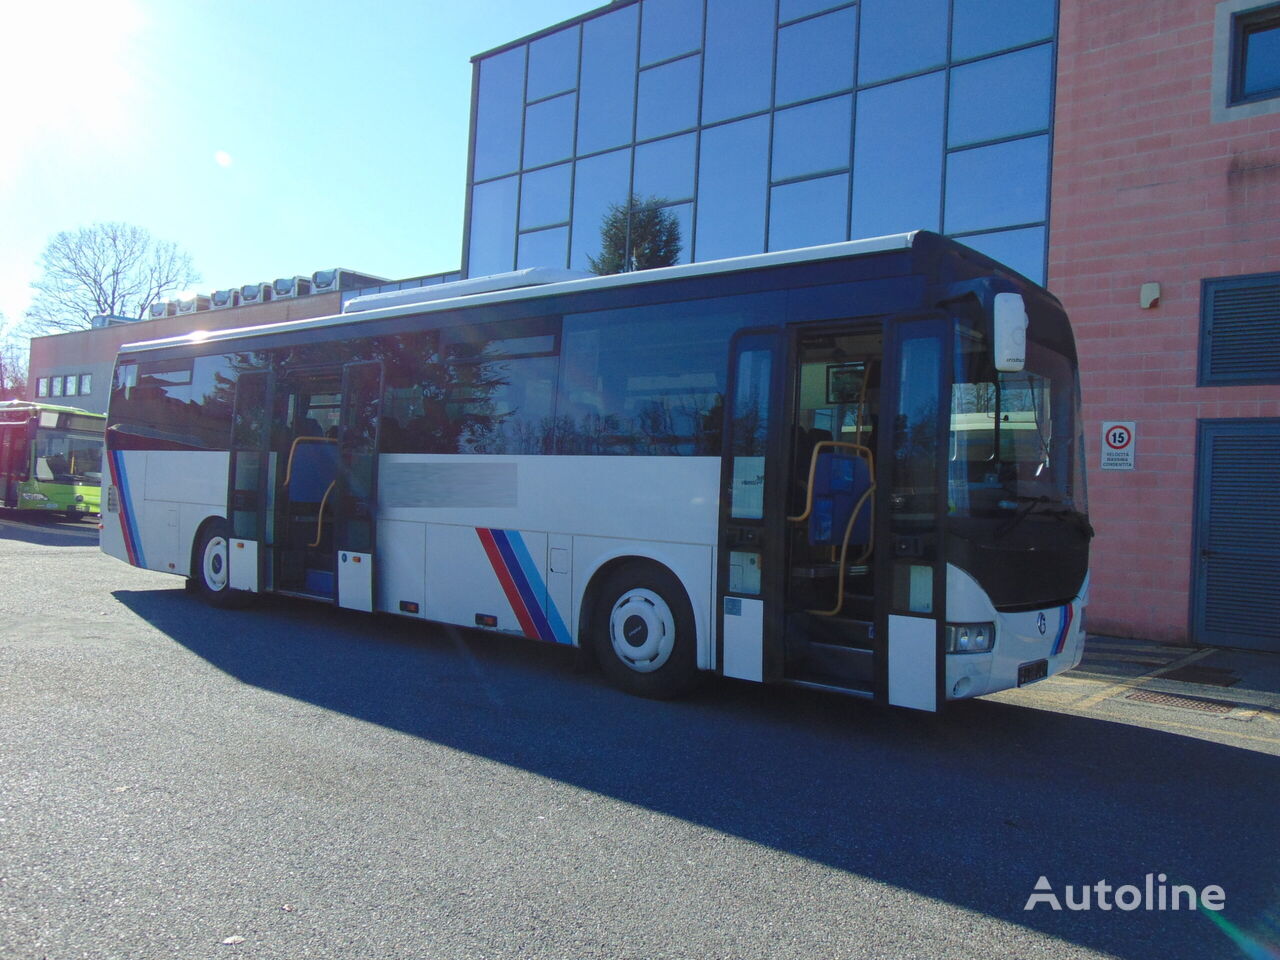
35, 406
438, 298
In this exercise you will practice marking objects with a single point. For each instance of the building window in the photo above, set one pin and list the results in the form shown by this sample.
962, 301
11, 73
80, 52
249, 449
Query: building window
86, 384
1240, 330
42, 387
1255, 55
69, 390
55, 385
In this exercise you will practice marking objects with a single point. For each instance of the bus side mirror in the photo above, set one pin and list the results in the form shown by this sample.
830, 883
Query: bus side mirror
1009, 332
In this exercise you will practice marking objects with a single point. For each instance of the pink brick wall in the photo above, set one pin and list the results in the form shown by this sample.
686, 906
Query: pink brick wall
1147, 189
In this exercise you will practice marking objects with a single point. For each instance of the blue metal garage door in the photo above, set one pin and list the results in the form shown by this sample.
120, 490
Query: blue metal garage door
1236, 600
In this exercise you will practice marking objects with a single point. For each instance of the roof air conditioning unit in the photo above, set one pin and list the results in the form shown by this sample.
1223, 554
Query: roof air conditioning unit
161, 308
291, 287
194, 304
221, 299
327, 281
255, 293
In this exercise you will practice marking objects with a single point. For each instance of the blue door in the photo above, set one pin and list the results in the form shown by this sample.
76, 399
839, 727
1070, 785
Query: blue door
1236, 597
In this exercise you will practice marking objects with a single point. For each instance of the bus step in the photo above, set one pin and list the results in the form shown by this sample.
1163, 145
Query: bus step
829, 571
830, 665
836, 631
866, 693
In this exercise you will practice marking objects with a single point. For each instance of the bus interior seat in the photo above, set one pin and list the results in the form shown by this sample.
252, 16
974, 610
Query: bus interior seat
839, 483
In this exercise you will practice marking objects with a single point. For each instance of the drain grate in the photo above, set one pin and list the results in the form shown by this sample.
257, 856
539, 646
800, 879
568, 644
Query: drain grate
1186, 703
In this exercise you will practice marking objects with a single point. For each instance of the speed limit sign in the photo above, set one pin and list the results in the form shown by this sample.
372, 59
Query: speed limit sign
1118, 441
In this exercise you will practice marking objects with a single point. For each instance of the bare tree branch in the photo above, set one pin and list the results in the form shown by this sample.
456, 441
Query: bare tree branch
105, 268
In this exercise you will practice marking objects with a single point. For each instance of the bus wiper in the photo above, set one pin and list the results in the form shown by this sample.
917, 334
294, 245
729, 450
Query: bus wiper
1029, 504
1068, 515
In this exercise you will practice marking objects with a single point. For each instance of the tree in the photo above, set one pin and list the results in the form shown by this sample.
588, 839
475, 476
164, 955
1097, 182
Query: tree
13, 367
106, 268
637, 235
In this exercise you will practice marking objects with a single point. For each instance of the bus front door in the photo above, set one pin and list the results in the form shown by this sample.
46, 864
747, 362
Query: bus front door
833, 629
355, 523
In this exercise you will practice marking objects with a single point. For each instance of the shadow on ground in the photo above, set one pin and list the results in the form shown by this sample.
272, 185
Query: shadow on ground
970, 808
46, 531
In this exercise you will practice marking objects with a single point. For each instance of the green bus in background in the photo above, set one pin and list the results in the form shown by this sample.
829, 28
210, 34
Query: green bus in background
50, 458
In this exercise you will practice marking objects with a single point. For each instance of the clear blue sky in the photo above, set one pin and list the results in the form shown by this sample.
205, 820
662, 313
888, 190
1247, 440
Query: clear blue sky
266, 137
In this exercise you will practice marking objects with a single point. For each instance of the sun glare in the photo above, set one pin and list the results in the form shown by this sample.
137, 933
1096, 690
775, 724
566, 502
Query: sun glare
67, 67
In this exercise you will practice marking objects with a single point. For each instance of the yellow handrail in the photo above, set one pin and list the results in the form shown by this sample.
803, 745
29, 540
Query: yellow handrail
864, 452
844, 550
320, 515
293, 448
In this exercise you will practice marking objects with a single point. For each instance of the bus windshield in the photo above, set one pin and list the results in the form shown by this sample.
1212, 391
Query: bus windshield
1015, 446
65, 457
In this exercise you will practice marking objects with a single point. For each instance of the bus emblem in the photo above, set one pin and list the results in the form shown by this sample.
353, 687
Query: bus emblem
1042, 624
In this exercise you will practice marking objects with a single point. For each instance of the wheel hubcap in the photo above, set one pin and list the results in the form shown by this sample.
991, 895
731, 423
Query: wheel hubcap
215, 563
642, 630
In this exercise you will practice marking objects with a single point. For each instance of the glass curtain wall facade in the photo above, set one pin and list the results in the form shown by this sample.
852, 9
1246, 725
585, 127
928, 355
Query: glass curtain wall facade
760, 125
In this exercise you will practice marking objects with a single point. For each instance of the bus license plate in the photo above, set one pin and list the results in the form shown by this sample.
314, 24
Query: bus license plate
1033, 671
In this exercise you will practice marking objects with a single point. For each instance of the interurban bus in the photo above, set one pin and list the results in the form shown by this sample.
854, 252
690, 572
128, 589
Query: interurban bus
856, 467
50, 458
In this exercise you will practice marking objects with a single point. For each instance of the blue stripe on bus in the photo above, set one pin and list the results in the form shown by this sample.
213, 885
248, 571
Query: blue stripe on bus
126, 513
1064, 625
531, 600
559, 632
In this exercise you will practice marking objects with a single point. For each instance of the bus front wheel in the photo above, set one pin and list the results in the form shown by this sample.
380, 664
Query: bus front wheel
643, 630
209, 572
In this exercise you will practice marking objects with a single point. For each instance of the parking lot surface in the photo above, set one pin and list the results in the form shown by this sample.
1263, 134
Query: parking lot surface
293, 781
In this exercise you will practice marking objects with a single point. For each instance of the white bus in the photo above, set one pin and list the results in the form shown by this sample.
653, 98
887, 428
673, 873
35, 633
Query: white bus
856, 467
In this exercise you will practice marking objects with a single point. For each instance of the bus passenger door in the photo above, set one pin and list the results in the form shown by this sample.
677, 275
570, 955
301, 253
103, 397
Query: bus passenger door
355, 516
915, 665
749, 576
249, 486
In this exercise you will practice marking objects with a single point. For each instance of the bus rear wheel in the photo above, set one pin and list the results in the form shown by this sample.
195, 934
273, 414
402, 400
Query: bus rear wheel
644, 635
209, 570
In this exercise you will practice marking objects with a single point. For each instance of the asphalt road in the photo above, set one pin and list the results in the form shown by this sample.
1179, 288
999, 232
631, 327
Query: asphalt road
290, 781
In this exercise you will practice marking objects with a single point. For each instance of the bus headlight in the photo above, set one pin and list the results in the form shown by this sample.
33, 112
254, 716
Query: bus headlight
970, 637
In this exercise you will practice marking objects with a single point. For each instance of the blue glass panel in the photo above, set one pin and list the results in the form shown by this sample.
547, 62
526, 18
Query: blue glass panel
897, 161
543, 248
500, 101
548, 131
791, 9
985, 26
553, 64
808, 213
669, 28
739, 58
664, 168
600, 182
493, 227
1000, 97
997, 186
812, 138
607, 88
816, 56
544, 197
1261, 62
1023, 250
733, 184
668, 98
901, 37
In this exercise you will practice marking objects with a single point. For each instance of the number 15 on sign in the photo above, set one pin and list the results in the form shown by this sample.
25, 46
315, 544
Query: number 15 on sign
1118, 442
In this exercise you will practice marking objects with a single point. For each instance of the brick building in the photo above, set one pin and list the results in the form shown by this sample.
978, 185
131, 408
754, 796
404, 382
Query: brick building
1157, 180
